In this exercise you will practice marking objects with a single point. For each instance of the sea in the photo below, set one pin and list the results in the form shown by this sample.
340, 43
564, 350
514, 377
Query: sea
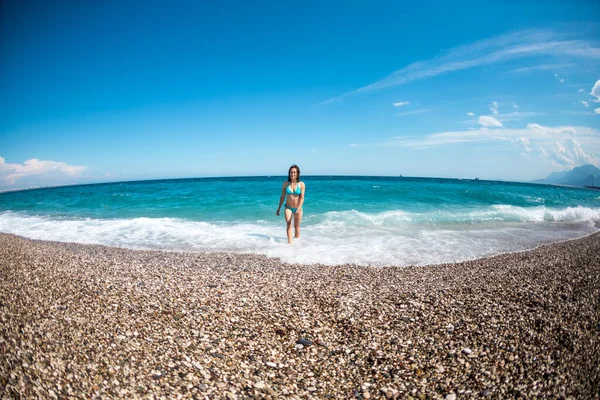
361, 220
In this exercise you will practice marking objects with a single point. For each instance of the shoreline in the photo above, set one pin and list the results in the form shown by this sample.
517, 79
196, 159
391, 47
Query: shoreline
88, 320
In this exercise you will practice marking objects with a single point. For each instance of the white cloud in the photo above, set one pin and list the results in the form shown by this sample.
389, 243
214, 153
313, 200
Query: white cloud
597, 110
585, 103
489, 121
562, 81
544, 67
494, 107
581, 90
470, 114
596, 91
515, 106
518, 115
512, 116
401, 103
564, 142
412, 112
11, 173
522, 141
499, 49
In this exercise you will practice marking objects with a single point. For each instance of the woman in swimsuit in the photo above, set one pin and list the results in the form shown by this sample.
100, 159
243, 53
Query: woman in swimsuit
294, 189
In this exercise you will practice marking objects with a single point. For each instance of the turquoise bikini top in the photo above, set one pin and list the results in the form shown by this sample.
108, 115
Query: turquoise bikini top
298, 191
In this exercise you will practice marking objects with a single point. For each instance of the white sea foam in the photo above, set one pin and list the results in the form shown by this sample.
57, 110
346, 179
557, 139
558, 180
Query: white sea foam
387, 238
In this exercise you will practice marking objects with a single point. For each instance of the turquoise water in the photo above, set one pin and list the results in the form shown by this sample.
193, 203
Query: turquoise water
362, 220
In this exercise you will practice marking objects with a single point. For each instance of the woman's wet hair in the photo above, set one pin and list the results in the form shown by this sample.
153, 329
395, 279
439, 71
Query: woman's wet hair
290, 173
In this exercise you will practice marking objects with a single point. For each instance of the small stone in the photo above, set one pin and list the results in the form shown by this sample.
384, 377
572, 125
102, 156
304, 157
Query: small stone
304, 342
451, 396
299, 347
271, 364
440, 369
311, 389
485, 393
197, 365
466, 351
366, 395
260, 385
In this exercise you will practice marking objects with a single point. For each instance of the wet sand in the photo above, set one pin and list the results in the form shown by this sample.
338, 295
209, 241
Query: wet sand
86, 321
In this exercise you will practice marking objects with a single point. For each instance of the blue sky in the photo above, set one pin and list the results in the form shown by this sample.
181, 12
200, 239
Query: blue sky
94, 91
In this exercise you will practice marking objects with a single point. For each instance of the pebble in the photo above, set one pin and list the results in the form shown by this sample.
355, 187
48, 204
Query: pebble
466, 351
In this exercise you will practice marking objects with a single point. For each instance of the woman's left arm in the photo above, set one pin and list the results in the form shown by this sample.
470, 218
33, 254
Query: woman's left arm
303, 187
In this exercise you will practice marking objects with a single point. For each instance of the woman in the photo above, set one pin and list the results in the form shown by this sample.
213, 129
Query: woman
294, 189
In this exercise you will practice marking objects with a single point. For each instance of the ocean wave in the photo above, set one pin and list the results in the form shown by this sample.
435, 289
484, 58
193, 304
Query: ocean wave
337, 237
495, 213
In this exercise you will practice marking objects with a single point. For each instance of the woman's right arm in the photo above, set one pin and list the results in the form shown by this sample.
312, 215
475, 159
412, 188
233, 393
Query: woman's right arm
281, 198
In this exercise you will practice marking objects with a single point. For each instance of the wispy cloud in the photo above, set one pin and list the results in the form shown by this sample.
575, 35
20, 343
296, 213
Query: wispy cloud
413, 112
581, 90
401, 103
596, 91
597, 110
489, 121
585, 103
522, 142
11, 173
494, 107
515, 106
470, 114
571, 112
518, 115
562, 142
516, 45
544, 67
512, 116
561, 80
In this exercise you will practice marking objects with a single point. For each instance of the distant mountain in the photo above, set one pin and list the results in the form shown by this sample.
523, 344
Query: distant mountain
585, 175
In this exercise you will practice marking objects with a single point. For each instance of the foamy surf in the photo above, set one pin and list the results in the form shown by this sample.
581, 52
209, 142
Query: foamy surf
340, 237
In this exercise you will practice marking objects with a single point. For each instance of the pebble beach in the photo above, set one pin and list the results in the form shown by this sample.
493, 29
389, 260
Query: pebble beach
88, 321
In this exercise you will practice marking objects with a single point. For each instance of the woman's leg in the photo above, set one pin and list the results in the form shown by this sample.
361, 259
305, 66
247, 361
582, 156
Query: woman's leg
297, 220
288, 221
